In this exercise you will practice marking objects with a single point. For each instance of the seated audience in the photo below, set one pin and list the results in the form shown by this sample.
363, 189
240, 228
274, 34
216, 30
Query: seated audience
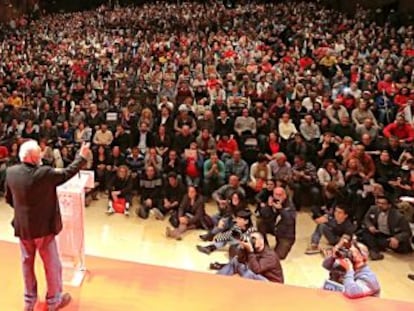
151, 189
191, 215
385, 228
332, 227
120, 187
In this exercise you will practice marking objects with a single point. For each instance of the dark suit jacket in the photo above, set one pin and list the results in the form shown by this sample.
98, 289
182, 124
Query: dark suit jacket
31, 191
397, 224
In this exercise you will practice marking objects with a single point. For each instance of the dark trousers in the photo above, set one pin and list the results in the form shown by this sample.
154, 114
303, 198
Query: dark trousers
305, 195
379, 242
283, 245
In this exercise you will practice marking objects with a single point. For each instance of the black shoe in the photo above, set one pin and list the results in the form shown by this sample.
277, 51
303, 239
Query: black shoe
376, 256
66, 298
411, 277
206, 249
208, 237
216, 266
142, 212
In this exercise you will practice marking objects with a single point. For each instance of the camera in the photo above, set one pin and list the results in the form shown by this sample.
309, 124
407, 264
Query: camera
343, 253
238, 235
345, 250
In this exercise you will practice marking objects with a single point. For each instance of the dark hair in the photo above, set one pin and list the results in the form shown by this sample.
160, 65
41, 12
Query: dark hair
261, 157
300, 157
343, 207
386, 198
326, 162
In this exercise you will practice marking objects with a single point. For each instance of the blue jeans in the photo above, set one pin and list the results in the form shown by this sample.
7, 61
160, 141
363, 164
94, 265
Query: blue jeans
192, 181
48, 252
234, 266
216, 219
326, 231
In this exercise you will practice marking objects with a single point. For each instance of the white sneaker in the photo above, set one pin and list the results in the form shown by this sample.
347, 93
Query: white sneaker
110, 211
158, 214
126, 212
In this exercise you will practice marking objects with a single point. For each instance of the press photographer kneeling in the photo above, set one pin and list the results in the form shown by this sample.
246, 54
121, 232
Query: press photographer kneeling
255, 260
348, 270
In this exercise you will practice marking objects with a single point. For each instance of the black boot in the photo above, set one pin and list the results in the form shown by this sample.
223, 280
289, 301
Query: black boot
216, 265
207, 249
373, 255
208, 237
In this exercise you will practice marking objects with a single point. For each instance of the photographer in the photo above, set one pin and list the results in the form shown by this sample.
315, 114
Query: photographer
278, 217
349, 258
261, 264
240, 229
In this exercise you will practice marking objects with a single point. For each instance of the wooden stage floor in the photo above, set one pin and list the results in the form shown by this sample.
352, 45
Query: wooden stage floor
113, 285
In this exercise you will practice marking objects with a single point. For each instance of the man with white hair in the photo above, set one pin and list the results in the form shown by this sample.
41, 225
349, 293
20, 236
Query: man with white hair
31, 191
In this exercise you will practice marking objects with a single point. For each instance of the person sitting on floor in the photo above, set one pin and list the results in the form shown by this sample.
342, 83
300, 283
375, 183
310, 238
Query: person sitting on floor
173, 193
385, 228
240, 227
151, 185
223, 220
259, 262
227, 206
191, 215
120, 188
332, 228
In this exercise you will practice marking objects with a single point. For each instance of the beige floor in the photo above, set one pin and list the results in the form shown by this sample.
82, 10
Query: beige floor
143, 241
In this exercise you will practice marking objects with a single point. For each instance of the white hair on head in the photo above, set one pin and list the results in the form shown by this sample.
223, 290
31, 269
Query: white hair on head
26, 148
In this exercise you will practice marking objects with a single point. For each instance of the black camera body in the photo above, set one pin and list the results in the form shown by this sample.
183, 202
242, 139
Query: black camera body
238, 235
343, 253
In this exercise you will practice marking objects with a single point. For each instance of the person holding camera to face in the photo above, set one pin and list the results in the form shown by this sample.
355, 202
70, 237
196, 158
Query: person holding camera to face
240, 228
259, 262
278, 217
347, 264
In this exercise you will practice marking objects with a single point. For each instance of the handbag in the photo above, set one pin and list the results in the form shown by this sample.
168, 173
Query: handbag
119, 205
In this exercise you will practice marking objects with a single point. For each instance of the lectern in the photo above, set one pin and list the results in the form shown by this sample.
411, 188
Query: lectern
71, 240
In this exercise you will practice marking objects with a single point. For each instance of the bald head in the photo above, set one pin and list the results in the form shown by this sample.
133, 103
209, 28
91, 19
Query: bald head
279, 193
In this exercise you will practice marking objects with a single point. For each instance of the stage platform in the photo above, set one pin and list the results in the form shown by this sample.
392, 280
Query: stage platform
113, 285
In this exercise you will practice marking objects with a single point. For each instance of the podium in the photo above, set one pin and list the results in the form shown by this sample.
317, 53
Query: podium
71, 240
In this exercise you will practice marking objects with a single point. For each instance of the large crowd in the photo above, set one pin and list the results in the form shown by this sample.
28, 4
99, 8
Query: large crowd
279, 106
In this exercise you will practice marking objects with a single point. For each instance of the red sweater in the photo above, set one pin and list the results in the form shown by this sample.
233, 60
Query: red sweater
405, 131
229, 146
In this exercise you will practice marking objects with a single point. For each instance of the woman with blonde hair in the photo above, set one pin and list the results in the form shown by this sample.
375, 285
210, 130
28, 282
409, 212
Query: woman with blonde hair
147, 116
120, 190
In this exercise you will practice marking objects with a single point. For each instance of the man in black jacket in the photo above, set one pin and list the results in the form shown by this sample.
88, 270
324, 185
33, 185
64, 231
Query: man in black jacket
278, 217
31, 191
173, 193
385, 227
150, 186
332, 227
